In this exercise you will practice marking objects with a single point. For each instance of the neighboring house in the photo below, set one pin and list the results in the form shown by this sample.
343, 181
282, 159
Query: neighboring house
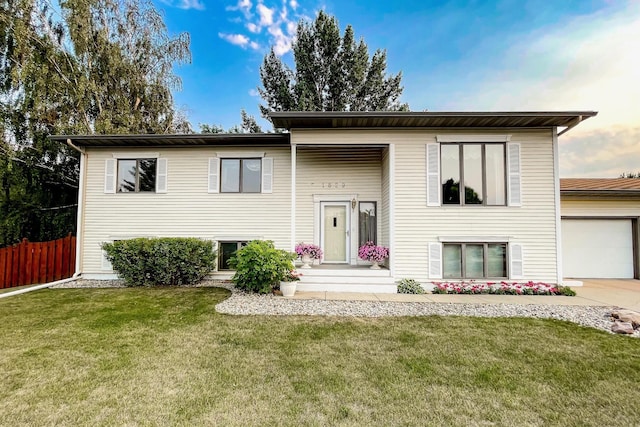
455, 196
600, 227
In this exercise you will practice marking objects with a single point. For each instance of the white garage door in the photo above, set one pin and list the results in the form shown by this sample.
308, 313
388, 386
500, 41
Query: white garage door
598, 248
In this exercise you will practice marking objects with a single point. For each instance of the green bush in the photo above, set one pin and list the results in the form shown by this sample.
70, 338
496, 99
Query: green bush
260, 266
161, 261
409, 286
566, 291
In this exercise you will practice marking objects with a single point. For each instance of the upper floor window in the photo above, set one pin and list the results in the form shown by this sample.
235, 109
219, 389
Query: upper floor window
473, 174
241, 175
136, 175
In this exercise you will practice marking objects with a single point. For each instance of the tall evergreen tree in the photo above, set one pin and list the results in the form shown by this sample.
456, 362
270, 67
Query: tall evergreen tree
81, 67
332, 73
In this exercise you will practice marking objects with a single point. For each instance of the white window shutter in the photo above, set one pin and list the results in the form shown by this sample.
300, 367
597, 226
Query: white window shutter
435, 260
214, 170
267, 174
110, 175
433, 174
513, 166
161, 176
516, 261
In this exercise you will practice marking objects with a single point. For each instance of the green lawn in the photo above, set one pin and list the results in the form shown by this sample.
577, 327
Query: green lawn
165, 357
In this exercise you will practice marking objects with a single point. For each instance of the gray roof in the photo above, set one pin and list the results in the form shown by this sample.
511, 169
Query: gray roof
427, 119
155, 140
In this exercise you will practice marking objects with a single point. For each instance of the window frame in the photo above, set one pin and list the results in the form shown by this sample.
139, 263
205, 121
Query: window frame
137, 176
375, 229
485, 260
240, 174
239, 244
461, 185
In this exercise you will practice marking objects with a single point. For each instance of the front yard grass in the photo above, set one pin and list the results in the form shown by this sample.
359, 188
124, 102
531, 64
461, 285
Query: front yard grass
163, 356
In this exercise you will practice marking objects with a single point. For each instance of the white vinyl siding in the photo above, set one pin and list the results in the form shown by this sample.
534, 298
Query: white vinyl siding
187, 209
532, 225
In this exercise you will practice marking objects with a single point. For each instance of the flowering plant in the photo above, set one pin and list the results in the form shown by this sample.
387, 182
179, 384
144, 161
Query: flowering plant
501, 288
313, 251
372, 252
291, 276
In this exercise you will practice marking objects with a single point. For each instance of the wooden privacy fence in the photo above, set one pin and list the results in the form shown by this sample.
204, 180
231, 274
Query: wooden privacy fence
28, 263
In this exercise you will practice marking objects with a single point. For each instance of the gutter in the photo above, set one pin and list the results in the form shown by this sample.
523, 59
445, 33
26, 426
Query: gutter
37, 287
80, 213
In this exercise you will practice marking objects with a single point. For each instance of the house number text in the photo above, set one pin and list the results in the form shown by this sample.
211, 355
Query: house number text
334, 185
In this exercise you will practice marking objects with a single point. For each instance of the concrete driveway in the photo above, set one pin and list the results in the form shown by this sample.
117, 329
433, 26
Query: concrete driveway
623, 293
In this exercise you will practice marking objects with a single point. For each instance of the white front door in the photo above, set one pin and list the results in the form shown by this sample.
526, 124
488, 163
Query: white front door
335, 231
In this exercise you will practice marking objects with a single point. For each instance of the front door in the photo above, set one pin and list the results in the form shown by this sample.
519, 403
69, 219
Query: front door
335, 232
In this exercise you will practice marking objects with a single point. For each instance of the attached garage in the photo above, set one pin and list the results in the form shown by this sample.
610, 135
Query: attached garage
600, 228
597, 248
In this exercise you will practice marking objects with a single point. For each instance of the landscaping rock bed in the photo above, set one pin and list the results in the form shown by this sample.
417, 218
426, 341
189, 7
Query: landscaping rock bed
250, 304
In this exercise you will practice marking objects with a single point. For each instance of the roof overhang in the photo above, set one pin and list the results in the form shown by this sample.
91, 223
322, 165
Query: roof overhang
428, 119
213, 139
600, 187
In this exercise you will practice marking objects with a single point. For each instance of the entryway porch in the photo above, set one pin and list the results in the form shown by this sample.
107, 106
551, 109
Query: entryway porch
346, 278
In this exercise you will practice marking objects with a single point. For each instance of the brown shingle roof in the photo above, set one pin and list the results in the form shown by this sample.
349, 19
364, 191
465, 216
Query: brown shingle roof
602, 186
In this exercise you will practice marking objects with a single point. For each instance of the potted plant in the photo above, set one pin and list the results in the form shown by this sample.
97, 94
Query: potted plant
373, 253
288, 283
308, 253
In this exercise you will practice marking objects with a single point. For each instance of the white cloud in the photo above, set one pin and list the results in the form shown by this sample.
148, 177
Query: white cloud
244, 6
254, 93
279, 19
185, 4
266, 14
237, 39
254, 28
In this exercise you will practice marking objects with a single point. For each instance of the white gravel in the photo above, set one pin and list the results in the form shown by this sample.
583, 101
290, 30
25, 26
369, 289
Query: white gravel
241, 303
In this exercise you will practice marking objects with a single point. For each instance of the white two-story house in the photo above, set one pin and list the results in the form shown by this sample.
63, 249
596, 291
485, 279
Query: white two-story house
454, 195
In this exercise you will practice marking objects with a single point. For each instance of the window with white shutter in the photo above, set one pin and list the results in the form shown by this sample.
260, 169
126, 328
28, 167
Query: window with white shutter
267, 175
110, 176
516, 261
433, 174
435, 260
513, 172
214, 168
161, 176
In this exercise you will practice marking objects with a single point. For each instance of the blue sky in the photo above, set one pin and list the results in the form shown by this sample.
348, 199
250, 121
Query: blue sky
455, 56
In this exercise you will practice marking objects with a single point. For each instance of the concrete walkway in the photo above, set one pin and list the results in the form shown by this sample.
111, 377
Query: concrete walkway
594, 292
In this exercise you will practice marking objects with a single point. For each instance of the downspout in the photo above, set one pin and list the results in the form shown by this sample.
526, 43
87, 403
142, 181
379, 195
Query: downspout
80, 213
294, 154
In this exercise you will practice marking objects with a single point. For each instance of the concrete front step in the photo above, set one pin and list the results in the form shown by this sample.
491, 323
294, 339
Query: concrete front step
344, 272
362, 287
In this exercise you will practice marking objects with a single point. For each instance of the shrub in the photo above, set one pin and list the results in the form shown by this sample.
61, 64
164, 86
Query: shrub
161, 261
409, 286
260, 266
566, 291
